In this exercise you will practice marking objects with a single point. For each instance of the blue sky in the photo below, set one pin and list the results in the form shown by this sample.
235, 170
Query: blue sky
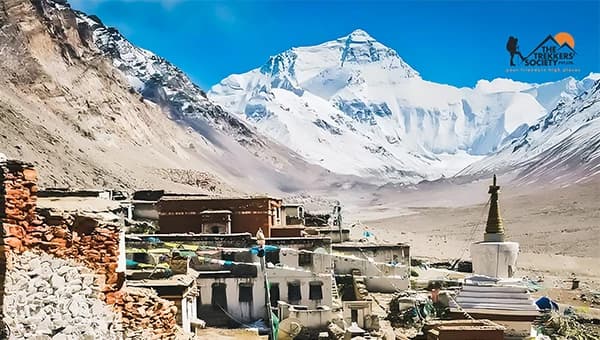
452, 42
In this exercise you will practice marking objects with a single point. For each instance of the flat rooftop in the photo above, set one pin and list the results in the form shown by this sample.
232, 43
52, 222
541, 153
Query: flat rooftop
216, 198
369, 245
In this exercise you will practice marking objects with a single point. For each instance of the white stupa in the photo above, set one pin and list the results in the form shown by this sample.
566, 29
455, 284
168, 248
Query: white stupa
492, 292
494, 256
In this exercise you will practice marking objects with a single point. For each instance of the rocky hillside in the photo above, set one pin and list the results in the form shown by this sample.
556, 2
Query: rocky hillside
76, 100
563, 146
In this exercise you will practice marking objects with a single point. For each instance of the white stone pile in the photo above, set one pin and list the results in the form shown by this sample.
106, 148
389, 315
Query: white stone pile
51, 298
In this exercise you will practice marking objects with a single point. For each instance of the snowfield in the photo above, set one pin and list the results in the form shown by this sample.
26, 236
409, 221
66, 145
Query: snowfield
353, 106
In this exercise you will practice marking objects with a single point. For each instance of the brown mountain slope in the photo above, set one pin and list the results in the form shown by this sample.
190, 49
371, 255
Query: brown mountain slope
65, 107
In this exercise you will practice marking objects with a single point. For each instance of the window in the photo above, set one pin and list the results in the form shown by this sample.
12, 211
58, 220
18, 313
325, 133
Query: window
354, 315
245, 292
274, 293
215, 229
304, 259
316, 290
272, 256
228, 256
219, 296
294, 293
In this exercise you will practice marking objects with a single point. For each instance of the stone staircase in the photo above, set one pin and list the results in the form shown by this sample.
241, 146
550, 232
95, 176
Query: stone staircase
360, 287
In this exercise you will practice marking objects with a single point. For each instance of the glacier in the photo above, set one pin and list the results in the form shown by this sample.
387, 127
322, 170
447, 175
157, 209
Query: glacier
354, 106
561, 146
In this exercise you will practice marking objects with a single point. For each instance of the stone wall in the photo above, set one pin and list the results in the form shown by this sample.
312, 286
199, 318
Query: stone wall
17, 202
87, 241
144, 315
72, 236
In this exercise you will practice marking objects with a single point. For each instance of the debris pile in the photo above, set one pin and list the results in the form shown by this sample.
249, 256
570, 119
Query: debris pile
409, 310
144, 314
558, 326
47, 297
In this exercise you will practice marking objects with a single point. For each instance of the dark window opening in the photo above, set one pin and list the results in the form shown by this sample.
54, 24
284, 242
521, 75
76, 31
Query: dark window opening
294, 293
245, 292
316, 290
142, 258
354, 315
219, 296
272, 256
304, 259
198, 304
274, 294
228, 256
215, 229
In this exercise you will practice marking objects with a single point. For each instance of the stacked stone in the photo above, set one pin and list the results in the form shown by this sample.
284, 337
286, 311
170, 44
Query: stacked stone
17, 202
51, 298
83, 238
144, 314
66, 236
46, 298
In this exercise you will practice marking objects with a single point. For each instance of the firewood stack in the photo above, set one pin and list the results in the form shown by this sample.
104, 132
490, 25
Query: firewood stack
144, 315
17, 202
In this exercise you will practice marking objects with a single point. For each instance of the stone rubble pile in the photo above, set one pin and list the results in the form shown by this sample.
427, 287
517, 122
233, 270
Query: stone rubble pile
62, 290
51, 298
145, 315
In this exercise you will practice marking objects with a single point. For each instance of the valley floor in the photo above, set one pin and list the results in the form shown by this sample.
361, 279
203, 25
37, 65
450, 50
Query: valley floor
558, 229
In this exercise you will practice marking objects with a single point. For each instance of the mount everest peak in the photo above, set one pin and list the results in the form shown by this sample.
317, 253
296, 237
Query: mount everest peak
354, 106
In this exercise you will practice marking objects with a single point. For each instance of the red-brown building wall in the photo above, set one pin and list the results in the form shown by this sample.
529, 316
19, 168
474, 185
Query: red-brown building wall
248, 215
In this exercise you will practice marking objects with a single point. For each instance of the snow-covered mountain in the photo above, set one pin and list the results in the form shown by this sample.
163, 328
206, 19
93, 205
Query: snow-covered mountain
564, 145
163, 83
247, 154
354, 106
90, 109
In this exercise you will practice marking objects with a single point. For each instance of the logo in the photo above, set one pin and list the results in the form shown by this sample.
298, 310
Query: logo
553, 52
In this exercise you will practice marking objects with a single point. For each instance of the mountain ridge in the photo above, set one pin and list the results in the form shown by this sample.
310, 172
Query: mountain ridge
398, 126
92, 110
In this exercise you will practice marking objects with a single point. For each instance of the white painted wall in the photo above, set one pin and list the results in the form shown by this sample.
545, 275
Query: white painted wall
242, 311
312, 318
122, 260
381, 255
345, 265
363, 309
321, 263
145, 210
284, 275
495, 259
188, 308
380, 277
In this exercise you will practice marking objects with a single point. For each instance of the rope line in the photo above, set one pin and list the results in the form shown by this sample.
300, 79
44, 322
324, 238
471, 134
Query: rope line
474, 229
460, 309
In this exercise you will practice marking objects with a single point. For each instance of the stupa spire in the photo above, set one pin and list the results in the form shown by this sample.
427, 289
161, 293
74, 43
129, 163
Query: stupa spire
494, 230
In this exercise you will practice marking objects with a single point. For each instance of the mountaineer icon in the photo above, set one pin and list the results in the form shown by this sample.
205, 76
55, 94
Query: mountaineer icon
513, 48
